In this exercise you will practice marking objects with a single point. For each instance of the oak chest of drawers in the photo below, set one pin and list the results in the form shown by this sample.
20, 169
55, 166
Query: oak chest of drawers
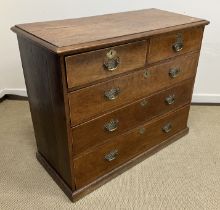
107, 91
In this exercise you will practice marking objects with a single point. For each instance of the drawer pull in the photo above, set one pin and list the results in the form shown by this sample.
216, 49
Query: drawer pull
167, 128
112, 94
144, 102
178, 45
142, 130
111, 155
111, 60
146, 74
174, 72
112, 125
170, 99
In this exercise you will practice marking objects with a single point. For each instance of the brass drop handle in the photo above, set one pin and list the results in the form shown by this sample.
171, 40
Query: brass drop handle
167, 128
112, 125
146, 74
170, 99
174, 72
144, 103
111, 155
142, 130
112, 94
111, 61
178, 45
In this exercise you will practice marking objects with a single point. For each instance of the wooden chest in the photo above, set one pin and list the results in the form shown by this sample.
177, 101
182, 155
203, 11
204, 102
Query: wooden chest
105, 92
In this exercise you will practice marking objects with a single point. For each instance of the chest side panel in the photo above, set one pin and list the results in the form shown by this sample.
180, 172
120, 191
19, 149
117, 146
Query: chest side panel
45, 94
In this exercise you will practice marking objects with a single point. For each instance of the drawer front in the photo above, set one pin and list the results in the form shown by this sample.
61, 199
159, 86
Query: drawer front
122, 148
89, 102
114, 123
175, 43
95, 65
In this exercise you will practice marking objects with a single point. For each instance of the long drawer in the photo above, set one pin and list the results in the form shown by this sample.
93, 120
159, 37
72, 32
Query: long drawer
121, 148
91, 66
87, 103
118, 121
175, 43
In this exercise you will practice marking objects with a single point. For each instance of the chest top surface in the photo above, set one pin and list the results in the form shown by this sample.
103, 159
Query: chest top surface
72, 34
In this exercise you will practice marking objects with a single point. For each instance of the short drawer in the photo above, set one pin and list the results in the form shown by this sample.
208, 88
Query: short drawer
168, 45
91, 66
95, 100
124, 147
120, 120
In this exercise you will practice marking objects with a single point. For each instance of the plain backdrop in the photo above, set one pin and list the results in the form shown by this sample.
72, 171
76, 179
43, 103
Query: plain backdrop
207, 87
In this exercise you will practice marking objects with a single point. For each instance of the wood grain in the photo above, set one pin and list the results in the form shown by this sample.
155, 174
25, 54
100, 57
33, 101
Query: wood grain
88, 67
161, 46
92, 165
79, 193
67, 84
75, 195
45, 94
89, 102
67, 35
92, 133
